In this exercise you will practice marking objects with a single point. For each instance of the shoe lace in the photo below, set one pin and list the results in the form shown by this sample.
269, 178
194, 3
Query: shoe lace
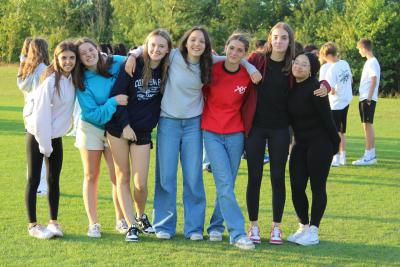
276, 232
144, 221
255, 231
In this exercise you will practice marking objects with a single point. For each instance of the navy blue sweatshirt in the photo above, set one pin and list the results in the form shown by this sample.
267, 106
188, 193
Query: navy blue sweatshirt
143, 110
311, 115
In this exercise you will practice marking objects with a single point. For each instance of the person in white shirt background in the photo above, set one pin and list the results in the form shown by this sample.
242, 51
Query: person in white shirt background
369, 85
338, 74
32, 72
50, 119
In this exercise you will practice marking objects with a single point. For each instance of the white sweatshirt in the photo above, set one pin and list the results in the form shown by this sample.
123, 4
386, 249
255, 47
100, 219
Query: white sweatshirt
51, 115
29, 85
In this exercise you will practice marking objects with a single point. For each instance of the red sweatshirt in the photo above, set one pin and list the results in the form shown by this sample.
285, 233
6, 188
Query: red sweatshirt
223, 100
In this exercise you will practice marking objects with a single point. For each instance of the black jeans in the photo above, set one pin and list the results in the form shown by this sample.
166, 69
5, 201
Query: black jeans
278, 148
54, 164
311, 160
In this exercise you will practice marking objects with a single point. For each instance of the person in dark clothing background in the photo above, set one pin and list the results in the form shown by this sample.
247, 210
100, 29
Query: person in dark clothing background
316, 141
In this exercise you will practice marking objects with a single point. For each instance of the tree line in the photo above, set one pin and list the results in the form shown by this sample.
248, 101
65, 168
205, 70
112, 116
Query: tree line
129, 21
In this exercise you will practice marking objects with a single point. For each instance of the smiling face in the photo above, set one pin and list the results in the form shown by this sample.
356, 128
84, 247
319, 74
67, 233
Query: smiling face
196, 44
66, 61
157, 48
235, 51
301, 67
89, 55
279, 40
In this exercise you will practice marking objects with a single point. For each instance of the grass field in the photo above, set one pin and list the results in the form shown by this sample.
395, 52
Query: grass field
361, 226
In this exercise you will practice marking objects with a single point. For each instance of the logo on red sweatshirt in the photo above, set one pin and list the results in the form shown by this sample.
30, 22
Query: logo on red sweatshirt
240, 89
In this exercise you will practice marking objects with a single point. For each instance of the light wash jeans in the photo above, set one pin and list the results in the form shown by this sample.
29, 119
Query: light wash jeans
224, 152
179, 137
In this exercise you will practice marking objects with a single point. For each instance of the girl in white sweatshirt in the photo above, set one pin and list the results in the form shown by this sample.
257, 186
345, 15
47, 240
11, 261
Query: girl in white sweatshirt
28, 78
49, 119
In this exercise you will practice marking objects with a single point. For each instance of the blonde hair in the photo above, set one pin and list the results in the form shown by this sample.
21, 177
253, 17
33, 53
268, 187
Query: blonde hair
37, 53
147, 71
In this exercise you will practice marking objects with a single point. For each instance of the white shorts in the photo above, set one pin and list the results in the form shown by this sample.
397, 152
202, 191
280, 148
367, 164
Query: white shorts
90, 137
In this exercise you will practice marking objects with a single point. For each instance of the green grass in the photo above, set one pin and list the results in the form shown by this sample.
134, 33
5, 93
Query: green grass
361, 226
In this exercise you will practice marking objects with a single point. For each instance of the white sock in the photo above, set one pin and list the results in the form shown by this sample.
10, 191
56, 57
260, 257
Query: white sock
343, 154
372, 152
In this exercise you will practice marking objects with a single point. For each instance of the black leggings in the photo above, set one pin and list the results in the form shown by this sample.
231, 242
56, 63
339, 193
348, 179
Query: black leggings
311, 160
54, 163
278, 148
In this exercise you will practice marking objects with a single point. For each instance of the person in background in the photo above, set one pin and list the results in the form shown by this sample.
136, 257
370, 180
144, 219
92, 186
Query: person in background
120, 49
369, 85
28, 83
312, 48
339, 77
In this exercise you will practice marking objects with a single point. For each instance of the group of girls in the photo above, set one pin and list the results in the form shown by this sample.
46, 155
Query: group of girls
190, 95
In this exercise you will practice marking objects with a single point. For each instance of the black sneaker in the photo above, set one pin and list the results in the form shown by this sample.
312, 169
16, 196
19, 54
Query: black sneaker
133, 234
144, 225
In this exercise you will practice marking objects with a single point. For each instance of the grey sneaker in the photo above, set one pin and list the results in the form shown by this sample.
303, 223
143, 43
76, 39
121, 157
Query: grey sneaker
39, 231
244, 243
121, 226
215, 236
94, 230
163, 235
55, 229
196, 237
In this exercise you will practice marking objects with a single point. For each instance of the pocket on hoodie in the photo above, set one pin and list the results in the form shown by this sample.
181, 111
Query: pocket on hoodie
28, 108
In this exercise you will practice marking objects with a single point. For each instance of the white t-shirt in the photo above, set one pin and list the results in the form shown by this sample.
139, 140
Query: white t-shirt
339, 77
322, 71
371, 69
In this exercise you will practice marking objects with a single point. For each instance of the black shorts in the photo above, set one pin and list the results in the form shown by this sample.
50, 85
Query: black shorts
142, 138
340, 119
367, 111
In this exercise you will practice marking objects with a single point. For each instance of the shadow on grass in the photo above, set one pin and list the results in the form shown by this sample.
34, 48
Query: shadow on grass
12, 127
11, 108
328, 251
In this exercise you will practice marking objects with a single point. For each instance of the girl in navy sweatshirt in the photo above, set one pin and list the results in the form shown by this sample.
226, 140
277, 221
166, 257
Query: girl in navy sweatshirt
129, 131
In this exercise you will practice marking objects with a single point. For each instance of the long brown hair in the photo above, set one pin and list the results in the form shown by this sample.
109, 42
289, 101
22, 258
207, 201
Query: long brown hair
103, 64
55, 66
290, 51
147, 71
205, 58
25, 46
37, 53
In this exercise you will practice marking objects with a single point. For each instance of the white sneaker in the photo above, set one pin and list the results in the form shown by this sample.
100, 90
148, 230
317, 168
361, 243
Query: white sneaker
196, 237
303, 228
55, 228
342, 160
215, 236
309, 238
254, 234
121, 226
244, 243
163, 235
364, 161
39, 231
94, 230
335, 161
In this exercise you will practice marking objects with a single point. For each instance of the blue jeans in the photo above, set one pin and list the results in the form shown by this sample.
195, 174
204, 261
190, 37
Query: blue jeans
224, 152
179, 137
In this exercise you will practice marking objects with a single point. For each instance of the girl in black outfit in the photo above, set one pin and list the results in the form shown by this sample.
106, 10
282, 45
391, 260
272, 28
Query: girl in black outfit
316, 141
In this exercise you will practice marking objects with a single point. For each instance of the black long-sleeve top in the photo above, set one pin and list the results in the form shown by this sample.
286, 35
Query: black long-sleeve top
143, 110
310, 115
271, 110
